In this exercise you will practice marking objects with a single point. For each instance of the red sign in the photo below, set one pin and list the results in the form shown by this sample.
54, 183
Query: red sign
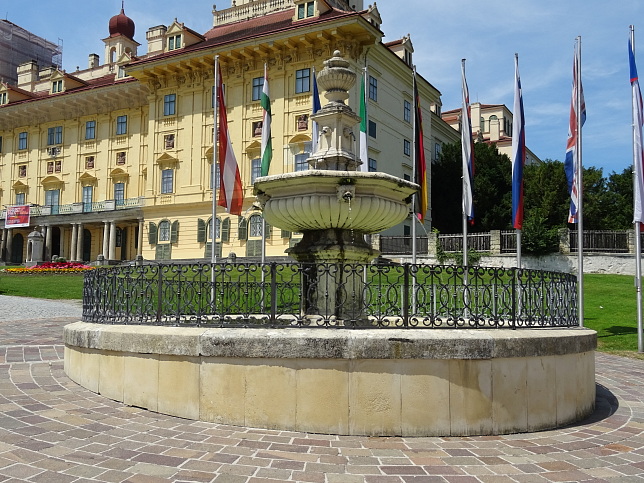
17, 216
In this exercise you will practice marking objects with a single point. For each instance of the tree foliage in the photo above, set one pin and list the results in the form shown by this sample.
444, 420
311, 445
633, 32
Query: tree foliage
608, 202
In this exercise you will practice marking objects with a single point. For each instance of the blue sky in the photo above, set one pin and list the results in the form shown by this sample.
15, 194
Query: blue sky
487, 34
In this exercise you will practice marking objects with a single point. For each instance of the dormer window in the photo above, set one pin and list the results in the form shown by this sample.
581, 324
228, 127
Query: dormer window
4, 99
57, 86
305, 10
174, 42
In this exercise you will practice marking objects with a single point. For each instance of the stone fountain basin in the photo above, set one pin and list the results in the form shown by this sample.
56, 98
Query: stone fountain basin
313, 200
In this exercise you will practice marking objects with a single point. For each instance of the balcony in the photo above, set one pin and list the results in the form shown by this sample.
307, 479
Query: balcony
76, 208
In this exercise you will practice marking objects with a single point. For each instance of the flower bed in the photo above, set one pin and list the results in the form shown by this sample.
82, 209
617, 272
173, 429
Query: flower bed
52, 267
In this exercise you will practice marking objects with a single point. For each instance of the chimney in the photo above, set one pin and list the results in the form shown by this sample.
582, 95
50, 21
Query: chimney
156, 38
94, 61
27, 74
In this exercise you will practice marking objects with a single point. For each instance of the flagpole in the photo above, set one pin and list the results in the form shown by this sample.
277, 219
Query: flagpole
637, 183
413, 171
580, 189
518, 158
215, 160
464, 125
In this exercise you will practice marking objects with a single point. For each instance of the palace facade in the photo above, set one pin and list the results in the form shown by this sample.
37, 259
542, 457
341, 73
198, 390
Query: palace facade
116, 159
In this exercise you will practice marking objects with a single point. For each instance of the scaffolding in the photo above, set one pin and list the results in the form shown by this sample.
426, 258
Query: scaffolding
18, 46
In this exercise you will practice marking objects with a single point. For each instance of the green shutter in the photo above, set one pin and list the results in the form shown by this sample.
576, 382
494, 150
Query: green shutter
268, 229
152, 233
225, 230
201, 230
174, 232
286, 234
254, 248
163, 252
243, 228
208, 251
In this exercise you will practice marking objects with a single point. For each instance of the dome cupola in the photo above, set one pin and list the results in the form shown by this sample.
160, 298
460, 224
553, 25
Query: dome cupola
121, 24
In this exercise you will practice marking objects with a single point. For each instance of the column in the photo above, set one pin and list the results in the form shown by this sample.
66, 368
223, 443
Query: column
112, 252
72, 250
61, 242
79, 243
139, 241
3, 244
106, 235
48, 254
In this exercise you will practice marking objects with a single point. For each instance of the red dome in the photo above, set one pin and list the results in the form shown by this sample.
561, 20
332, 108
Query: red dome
122, 24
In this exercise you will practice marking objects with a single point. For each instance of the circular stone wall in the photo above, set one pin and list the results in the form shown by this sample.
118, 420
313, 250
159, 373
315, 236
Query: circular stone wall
438, 382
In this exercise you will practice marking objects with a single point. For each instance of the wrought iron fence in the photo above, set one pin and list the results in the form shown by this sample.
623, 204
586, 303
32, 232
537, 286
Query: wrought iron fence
475, 241
342, 296
603, 241
402, 245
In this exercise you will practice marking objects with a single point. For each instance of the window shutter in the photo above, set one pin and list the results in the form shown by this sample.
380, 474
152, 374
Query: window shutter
243, 228
201, 230
152, 233
254, 248
174, 232
267, 229
286, 234
225, 230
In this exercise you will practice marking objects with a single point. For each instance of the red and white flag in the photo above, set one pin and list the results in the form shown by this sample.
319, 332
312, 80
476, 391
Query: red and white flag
231, 194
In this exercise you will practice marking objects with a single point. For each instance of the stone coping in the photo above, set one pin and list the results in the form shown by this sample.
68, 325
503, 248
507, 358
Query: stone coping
322, 343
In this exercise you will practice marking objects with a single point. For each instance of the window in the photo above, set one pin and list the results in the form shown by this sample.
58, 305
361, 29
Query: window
88, 194
168, 141
22, 140
373, 88
55, 135
437, 151
50, 167
305, 10
407, 111
301, 163
373, 165
169, 104
406, 147
255, 225
217, 180
58, 166
167, 176
406, 230
217, 229
52, 198
121, 125
90, 130
164, 231
255, 169
89, 162
372, 129
174, 42
257, 128
119, 193
258, 85
302, 81
120, 158
3, 98
22, 171
20, 198
57, 86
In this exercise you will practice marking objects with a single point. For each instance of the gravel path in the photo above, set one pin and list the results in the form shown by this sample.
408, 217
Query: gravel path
24, 308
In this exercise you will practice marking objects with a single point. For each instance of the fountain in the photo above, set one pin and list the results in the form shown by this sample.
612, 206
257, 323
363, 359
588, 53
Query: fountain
161, 336
333, 205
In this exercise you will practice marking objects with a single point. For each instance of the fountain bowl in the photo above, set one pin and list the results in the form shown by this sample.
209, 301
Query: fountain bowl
324, 199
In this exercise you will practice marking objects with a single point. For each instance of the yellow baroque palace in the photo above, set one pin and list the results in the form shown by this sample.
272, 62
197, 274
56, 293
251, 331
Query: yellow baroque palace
116, 159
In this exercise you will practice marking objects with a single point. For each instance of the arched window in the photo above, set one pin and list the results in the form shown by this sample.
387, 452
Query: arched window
164, 231
217, 228
255, 223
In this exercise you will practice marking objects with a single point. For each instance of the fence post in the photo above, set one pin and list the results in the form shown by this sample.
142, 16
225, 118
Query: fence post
273, 292
630, 237
432, 244
495, 242
564, 241
405, 295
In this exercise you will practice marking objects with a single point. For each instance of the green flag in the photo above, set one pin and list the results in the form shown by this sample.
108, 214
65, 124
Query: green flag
267, 144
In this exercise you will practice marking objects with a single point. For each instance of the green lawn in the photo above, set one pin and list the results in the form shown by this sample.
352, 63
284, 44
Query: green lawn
610, 303
45, 286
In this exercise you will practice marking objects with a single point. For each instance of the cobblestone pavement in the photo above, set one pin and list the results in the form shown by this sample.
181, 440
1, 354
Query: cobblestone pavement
52, 430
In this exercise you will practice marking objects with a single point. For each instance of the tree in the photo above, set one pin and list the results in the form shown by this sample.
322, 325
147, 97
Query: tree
492, 189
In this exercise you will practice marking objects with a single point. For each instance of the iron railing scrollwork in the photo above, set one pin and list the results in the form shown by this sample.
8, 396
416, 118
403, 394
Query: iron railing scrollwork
328, 295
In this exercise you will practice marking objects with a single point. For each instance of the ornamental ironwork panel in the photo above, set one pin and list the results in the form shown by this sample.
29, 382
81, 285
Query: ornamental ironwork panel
329, 295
